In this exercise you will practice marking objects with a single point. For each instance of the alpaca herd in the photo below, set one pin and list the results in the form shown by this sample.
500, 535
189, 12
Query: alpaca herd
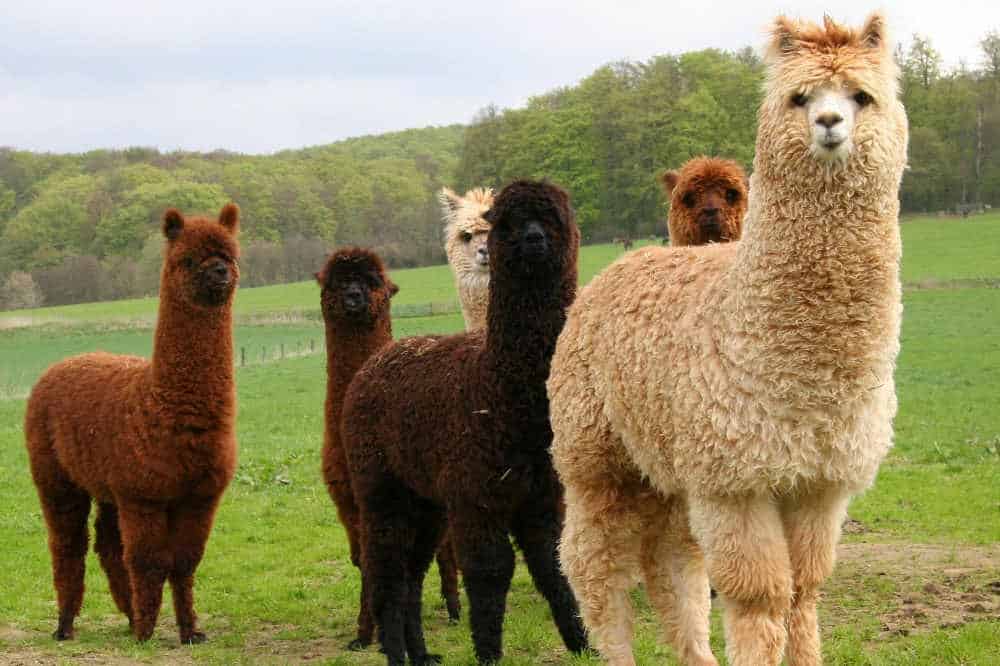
698, 417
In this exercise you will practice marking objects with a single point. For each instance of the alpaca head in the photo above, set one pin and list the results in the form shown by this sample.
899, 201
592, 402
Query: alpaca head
708, 198
831, 99
465, 232
534, 234
200, 265
354, 287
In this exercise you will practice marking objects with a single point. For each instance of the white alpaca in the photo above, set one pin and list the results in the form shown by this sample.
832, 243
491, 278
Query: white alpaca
715, 408
465, 234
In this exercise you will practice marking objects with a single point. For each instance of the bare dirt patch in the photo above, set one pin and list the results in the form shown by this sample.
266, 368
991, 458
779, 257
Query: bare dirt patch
914, 587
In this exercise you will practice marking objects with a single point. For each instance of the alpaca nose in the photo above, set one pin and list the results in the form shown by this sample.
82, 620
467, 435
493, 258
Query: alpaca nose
829, 119
534, 235
483, 252
353, 297
710, 211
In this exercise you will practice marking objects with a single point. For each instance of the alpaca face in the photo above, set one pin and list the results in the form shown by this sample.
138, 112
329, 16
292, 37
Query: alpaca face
201, 265
830, 112
831, 99
533, 230
708, 198
466, 231
354, 287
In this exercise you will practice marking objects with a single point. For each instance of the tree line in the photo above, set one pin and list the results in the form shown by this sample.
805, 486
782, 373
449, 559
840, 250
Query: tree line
82, 227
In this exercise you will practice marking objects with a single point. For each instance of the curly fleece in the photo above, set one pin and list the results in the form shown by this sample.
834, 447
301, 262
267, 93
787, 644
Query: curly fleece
456, 428
719, 405
152, 442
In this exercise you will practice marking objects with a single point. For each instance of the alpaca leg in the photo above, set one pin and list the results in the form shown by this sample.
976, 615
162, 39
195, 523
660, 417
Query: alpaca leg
448, 570
148, 560
189, 527
386, 541
812, 525
428, 537
108, 546
747, 556
366, 619
677, 583
599, 552
537, 534
348, 513
486, 559
66, 512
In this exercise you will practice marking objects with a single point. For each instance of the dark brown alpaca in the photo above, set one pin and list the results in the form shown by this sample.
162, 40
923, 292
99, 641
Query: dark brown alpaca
152, 442
354, 295
456, 429
708, 200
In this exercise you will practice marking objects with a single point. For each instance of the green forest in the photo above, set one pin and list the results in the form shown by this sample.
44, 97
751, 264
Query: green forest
84, 227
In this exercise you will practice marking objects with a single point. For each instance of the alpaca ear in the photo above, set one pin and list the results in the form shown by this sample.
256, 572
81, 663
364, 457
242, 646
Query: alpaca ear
449, 201
173, 223
669, 181
319, 278
393, 288
873, 34
784, 35
229, 217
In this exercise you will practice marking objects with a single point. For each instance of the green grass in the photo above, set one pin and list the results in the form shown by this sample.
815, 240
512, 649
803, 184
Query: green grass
277, 586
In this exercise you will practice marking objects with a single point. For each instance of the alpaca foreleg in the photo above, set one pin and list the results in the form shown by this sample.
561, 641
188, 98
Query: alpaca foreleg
537, 534
189, 527
448, 572
386, 542
148, 560
747, 556
812, 526
425, 544
677, 583
599, 553
487, 562
108, 546
66, 514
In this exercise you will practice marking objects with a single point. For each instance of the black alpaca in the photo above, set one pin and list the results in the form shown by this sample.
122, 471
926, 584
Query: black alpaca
456, 429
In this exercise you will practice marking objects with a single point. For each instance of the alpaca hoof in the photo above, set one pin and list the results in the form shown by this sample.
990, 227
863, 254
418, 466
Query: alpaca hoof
194, 638
63, 634
454, 619
357, 645
428, 659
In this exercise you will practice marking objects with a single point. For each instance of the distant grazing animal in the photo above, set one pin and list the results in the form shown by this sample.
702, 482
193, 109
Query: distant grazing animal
708, 199
465, 243
456, 428
152, 442
716, 407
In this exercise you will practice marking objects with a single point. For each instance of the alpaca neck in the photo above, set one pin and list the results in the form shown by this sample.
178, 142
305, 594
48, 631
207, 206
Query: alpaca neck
524, 319
348, 346
816, 276
193, 356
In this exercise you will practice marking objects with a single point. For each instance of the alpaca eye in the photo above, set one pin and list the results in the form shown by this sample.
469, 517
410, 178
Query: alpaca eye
863, 99
800, 100
466, 237
732, 196
187, 262
688, 200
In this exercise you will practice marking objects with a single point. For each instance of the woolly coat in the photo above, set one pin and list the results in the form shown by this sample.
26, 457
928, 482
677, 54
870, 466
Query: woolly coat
760, 366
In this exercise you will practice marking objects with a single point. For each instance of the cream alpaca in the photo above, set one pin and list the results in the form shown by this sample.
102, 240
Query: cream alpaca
715, 408
465, 243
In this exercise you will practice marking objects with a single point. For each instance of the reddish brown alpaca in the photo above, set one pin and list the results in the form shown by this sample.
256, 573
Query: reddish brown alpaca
708, 200
355, 293
152, 442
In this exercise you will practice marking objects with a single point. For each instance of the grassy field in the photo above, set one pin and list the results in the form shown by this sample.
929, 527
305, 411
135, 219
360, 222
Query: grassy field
918, 580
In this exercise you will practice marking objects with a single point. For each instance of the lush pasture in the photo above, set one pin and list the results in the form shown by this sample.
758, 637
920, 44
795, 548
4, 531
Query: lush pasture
919, 576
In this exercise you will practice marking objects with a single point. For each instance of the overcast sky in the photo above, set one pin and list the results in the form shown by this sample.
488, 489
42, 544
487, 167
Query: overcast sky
260, 76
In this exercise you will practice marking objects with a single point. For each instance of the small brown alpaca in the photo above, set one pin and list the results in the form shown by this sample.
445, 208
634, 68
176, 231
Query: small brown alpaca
708, 200
354, 296
152, 442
